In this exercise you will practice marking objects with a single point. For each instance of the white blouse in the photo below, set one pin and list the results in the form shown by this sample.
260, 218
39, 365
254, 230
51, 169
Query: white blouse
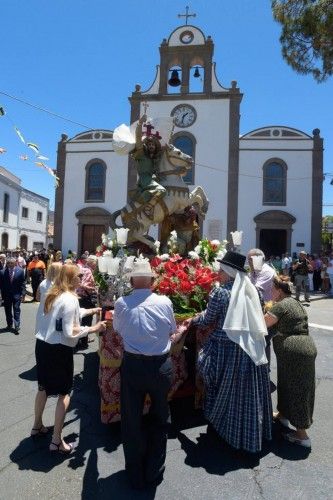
65, 307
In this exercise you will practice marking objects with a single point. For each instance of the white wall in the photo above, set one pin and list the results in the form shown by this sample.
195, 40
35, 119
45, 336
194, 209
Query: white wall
299, 187
77, 157
35, 231
211, 130
9, 227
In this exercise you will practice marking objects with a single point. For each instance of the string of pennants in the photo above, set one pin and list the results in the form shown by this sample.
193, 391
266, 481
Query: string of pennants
39, 159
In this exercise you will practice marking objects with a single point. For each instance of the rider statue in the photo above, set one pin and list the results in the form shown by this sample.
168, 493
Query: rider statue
147, 155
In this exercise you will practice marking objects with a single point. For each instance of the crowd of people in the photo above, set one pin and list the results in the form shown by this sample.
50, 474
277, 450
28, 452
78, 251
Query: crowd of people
248, 309
319, 271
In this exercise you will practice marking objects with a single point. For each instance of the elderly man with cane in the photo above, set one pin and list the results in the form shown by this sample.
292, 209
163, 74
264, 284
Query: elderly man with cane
146, 324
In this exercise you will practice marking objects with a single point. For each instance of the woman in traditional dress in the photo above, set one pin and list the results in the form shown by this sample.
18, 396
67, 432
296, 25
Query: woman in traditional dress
233, 363
295, 354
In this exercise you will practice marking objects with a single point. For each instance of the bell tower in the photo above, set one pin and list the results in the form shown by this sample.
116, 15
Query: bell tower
206, 116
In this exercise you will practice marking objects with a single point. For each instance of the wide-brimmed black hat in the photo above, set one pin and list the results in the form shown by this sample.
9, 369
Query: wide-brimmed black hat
235, 260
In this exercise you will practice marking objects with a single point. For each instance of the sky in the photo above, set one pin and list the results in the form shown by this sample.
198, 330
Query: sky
81, 59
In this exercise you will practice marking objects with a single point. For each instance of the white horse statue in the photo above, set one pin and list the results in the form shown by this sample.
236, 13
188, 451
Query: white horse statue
172, 167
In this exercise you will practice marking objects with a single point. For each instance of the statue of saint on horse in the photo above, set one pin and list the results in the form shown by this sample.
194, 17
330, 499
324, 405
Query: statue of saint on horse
161, 190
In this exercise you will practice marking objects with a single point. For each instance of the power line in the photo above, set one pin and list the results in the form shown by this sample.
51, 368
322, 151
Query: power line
39, 108
45, 110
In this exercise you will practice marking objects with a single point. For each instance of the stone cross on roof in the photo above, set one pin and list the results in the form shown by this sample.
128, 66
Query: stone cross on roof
187, 15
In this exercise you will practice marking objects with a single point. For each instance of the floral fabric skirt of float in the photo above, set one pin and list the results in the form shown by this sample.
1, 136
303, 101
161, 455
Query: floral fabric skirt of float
111, 353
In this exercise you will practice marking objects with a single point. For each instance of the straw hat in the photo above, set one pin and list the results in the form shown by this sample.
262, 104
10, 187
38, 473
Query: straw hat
141, 268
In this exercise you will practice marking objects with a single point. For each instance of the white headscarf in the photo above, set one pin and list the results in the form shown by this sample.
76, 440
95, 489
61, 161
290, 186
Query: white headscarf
244, 323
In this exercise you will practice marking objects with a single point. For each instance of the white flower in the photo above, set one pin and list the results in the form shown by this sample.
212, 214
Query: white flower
215, 242
110, 243
220, 254
225, 242
194, 255
108, 252
197, 249
104, 239
173, 235
157, 244
216, 266
165, 256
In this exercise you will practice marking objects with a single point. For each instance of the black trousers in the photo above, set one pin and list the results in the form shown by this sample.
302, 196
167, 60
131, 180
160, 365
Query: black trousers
317, 280
12, 305
145, 449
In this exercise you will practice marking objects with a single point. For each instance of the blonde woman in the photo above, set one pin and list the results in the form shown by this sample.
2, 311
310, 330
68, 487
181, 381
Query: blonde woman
53, 272
57, 332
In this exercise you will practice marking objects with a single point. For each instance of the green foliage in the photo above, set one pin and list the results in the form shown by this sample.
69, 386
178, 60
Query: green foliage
307, 35
100, 281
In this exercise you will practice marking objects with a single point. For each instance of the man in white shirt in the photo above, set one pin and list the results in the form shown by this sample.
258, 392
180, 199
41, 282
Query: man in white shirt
146, 324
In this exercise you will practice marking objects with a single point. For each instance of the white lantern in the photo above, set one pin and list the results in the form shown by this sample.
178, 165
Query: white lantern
129, 263
237, 238
113, 266
122, 235
102, 267
257, 261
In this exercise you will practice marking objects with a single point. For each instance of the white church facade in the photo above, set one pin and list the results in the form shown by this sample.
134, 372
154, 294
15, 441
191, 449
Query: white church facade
266, 182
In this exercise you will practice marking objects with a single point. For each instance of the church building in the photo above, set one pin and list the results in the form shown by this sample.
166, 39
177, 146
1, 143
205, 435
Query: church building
266, 182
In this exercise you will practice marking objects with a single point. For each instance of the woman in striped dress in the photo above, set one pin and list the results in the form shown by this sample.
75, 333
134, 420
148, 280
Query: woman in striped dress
233, 363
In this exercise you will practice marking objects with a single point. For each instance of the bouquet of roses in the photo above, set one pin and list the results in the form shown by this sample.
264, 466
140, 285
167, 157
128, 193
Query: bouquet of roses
209, 250
187, 283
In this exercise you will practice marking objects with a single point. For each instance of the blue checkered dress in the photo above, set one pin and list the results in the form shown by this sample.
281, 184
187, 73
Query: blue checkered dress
237, 392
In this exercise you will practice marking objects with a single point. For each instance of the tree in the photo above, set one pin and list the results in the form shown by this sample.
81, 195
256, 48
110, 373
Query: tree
307, 35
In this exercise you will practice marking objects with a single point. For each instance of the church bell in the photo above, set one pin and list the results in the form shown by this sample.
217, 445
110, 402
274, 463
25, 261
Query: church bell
196, 73
174, 80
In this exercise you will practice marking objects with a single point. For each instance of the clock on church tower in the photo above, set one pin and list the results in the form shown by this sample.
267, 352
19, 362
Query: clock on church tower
206, 119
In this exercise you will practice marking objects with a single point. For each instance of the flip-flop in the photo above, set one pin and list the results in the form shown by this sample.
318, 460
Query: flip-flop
39, 432
59, 450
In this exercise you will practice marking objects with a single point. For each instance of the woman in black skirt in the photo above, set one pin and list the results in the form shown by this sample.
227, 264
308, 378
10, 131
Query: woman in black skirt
57, 332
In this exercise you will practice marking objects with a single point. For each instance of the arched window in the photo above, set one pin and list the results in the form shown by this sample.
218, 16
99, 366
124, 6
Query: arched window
95, 181
23, 242
274, 182
4, 241
186, 143
5, 207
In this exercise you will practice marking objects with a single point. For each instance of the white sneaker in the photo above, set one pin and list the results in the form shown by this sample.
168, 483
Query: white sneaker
306, 443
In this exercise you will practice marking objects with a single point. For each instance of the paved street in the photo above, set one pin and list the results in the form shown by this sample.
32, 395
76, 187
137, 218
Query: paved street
196, 466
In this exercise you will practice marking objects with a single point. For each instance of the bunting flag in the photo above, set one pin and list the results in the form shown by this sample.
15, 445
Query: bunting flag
19, 134
2, 150
50, 170
33, 146
41, 157
2, 111
24, 157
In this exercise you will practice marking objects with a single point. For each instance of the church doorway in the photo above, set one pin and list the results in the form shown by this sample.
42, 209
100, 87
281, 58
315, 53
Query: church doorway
91, 237
273, 242
273, 230
92, 223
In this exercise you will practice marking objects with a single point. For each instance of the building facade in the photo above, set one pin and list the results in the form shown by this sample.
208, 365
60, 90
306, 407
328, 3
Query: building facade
253, 181
23, 215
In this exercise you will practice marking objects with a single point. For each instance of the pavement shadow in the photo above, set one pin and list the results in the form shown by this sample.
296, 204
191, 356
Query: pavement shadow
93, 435
95, 488
35, 455
217, 457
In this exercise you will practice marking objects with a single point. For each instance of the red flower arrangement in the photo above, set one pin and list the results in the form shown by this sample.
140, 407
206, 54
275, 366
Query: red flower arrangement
186, 282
